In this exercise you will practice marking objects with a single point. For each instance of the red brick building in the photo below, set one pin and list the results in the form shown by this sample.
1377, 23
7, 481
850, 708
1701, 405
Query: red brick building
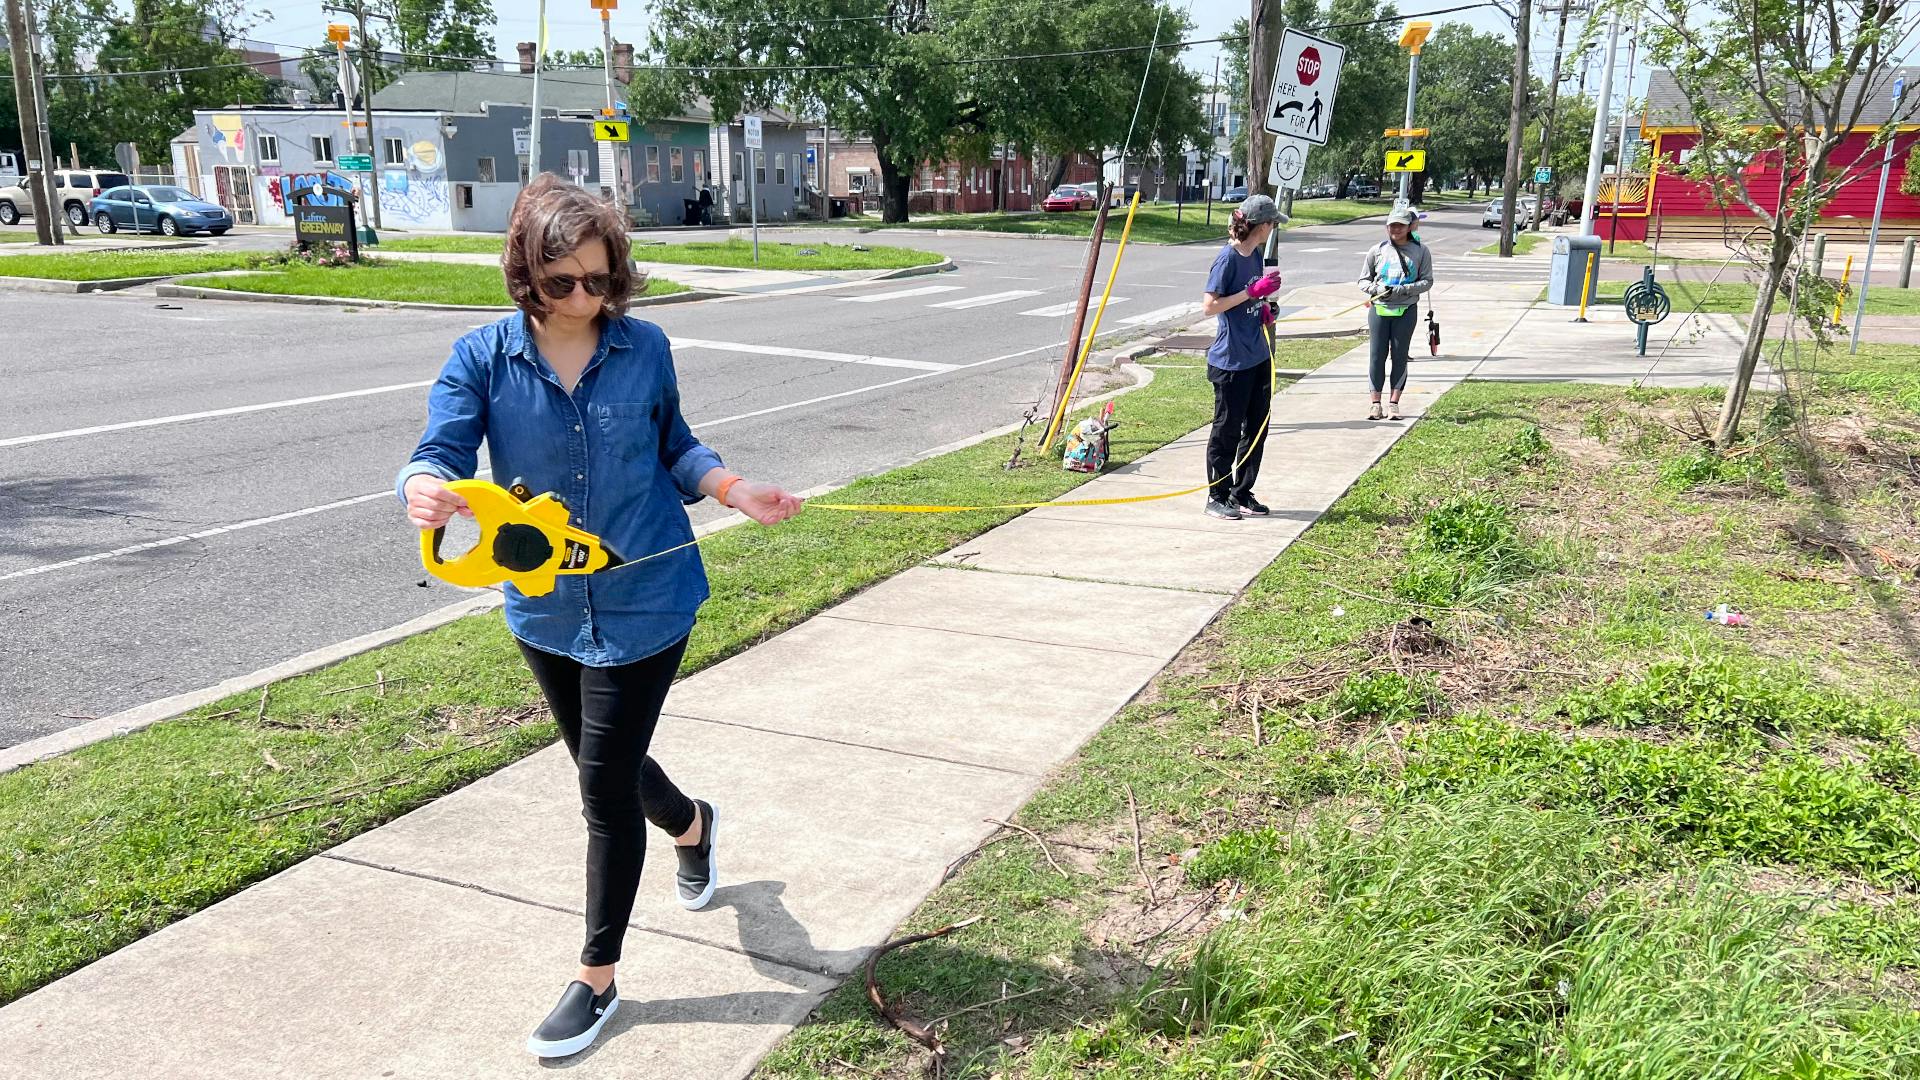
1657, 200
1005, 181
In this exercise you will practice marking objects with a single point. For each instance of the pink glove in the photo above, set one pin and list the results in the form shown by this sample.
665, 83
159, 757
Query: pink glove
1265, 287
1267, 317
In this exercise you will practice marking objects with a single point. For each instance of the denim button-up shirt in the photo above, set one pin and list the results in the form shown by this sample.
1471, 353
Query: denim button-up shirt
616, 451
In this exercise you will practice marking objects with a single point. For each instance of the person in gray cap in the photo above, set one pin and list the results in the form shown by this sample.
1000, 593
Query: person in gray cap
1397, 271
1239, 364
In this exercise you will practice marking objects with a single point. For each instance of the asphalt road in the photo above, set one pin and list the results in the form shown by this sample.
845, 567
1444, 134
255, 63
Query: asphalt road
134, 427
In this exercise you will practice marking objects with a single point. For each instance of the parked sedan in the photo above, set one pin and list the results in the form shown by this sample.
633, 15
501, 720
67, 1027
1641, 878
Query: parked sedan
1069, 198
1523, 209
167, 210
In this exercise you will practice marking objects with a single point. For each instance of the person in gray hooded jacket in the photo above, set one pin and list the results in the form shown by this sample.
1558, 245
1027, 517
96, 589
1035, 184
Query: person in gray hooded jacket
1397, 271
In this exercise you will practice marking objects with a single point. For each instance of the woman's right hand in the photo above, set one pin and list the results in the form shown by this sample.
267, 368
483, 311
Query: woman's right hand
430, 505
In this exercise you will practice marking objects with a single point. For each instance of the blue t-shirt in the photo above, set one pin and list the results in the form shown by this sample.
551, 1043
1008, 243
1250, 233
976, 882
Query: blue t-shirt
1239, 344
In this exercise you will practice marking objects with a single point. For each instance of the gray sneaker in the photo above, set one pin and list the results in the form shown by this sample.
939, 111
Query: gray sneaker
1223, 511
698, 872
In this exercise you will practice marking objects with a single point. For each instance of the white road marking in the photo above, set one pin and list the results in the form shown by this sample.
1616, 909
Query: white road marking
1174, 311
808, 354
356, 500
1061, 309
986, 301
1315, 251
900, 294
237, 410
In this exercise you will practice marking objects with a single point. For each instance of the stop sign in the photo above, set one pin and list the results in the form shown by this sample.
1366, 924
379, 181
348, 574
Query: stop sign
1308, 69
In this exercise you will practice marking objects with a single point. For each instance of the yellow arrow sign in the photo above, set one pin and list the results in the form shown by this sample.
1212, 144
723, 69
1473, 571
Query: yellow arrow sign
1406, 161
609, 131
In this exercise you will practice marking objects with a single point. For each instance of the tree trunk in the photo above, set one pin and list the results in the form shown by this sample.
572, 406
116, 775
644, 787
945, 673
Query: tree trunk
1780, 253
893, 189
1059, 173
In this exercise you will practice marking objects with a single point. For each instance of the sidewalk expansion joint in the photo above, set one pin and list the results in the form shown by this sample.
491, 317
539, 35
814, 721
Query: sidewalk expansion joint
991, 637
1074, 577
679, 715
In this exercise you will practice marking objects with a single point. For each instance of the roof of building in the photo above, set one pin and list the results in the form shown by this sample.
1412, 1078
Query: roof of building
1667, 107
563, 90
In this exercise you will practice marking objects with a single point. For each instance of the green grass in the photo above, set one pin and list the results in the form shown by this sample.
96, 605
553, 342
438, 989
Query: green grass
1737, 297
102, 265
1157, 223
1539, 820
436, 283
104, 845
1524, 244
733, 252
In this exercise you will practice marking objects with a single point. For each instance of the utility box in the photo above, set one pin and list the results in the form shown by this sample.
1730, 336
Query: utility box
1570, 257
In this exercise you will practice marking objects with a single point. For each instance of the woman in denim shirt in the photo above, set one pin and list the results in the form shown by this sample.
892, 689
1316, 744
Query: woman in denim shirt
573, 396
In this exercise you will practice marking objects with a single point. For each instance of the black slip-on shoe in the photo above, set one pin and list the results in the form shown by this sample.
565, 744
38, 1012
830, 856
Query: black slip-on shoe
699, 871
574, 1023
1223, 511
1251, 507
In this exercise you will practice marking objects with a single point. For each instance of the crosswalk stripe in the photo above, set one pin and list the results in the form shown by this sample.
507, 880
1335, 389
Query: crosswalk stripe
901, 294
808, 354
987, 300
1058, 310
1174, 311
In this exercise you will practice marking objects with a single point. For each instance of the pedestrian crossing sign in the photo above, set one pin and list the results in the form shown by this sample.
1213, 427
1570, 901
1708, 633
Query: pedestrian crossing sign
609, 131
1406, 161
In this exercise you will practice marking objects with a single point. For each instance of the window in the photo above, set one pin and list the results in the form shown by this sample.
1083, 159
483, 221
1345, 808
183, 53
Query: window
760, 167
700, 167
739, 170
393, 151
322, 149
466, 193
267, 149
780, 169
677, 165
118, 194
483, 170
856, 183
653, 165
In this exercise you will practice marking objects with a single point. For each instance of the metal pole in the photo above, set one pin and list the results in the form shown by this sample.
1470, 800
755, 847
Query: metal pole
1553, 104
1516, 130
1406, 141
1620, 156
1906, 263
366, 104
56, 214
613, 149
1873, 235
346, 102
539, 62
1598, 146
753, 200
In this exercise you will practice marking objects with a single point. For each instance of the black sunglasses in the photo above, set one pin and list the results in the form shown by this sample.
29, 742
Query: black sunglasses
560, 286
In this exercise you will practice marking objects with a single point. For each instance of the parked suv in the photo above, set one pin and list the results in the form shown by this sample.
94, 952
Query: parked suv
75, 190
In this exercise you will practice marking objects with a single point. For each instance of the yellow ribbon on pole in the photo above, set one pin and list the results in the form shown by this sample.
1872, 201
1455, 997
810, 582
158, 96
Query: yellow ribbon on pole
1059, 413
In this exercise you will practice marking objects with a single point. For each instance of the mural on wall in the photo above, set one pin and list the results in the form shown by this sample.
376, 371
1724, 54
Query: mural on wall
417, 193
227, 134
314, 189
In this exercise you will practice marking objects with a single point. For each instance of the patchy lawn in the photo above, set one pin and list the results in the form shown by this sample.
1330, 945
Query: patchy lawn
424, 282
733, 252
105, 265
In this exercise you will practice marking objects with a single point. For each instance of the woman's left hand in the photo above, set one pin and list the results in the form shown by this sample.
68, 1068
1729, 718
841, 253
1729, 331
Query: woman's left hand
767, 504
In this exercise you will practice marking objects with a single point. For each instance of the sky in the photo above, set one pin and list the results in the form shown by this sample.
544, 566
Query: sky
574, 25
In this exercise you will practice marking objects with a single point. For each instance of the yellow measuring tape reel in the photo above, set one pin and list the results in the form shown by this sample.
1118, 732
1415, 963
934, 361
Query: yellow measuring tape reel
524, 539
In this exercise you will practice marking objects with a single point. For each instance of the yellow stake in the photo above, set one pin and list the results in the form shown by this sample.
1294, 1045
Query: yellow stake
1059, 414
1586, 286
1839, 297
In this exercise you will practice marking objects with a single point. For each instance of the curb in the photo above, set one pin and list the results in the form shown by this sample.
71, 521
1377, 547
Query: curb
139, 717
941, 267
195, 292
57, 285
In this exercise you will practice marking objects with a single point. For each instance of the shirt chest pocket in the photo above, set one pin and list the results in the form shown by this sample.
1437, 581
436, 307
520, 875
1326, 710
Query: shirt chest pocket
628, 429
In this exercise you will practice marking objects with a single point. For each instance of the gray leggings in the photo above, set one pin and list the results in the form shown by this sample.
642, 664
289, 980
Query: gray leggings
1395, 332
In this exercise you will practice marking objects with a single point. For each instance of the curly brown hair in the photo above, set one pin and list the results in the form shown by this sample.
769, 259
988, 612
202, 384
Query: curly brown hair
550, 219
1238, 227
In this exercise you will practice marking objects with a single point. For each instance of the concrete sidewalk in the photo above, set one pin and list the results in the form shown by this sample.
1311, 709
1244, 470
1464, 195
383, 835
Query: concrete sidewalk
851, 759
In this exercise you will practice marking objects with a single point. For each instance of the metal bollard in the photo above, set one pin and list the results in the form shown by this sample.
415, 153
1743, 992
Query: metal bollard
1906, 263
1819, 253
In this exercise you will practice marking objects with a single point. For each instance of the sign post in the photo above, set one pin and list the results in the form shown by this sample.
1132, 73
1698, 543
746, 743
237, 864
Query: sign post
1873, 236
750, 127
1411, 39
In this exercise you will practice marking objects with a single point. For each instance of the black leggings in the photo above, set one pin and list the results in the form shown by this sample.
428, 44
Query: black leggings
1395, 331
607, 716
1242, 402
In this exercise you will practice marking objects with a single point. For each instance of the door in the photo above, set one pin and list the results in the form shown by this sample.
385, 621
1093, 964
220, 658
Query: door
143, 215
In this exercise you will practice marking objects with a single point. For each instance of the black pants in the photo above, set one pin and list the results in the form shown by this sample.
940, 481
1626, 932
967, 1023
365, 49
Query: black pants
607, 717
1242, 401
1393, 332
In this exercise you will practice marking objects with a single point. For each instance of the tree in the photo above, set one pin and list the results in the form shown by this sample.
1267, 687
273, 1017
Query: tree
1786, 81
1572, 135
1462, 101
442, 35
908, 75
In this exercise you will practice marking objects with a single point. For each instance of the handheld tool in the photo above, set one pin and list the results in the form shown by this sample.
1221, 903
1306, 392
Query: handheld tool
524, 539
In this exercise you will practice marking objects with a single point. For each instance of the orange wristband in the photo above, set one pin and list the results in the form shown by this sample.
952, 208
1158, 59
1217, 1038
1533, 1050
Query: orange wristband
725, 486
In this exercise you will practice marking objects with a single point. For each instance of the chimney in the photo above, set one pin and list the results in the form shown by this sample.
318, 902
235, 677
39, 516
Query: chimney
527, 56
623, 63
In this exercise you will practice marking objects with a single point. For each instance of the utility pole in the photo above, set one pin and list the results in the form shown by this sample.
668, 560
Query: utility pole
45, 136
1263, 38
539, 62
25, 78
360, 14
1603, 112
1516, 128
1553, 111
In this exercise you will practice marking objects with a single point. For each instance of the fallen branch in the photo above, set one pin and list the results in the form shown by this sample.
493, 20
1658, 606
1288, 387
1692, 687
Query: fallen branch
332, 799
893, 1012
261, 716
1036, 839
378, 683
1140, 859
954, 866
1197, 905
356, 789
